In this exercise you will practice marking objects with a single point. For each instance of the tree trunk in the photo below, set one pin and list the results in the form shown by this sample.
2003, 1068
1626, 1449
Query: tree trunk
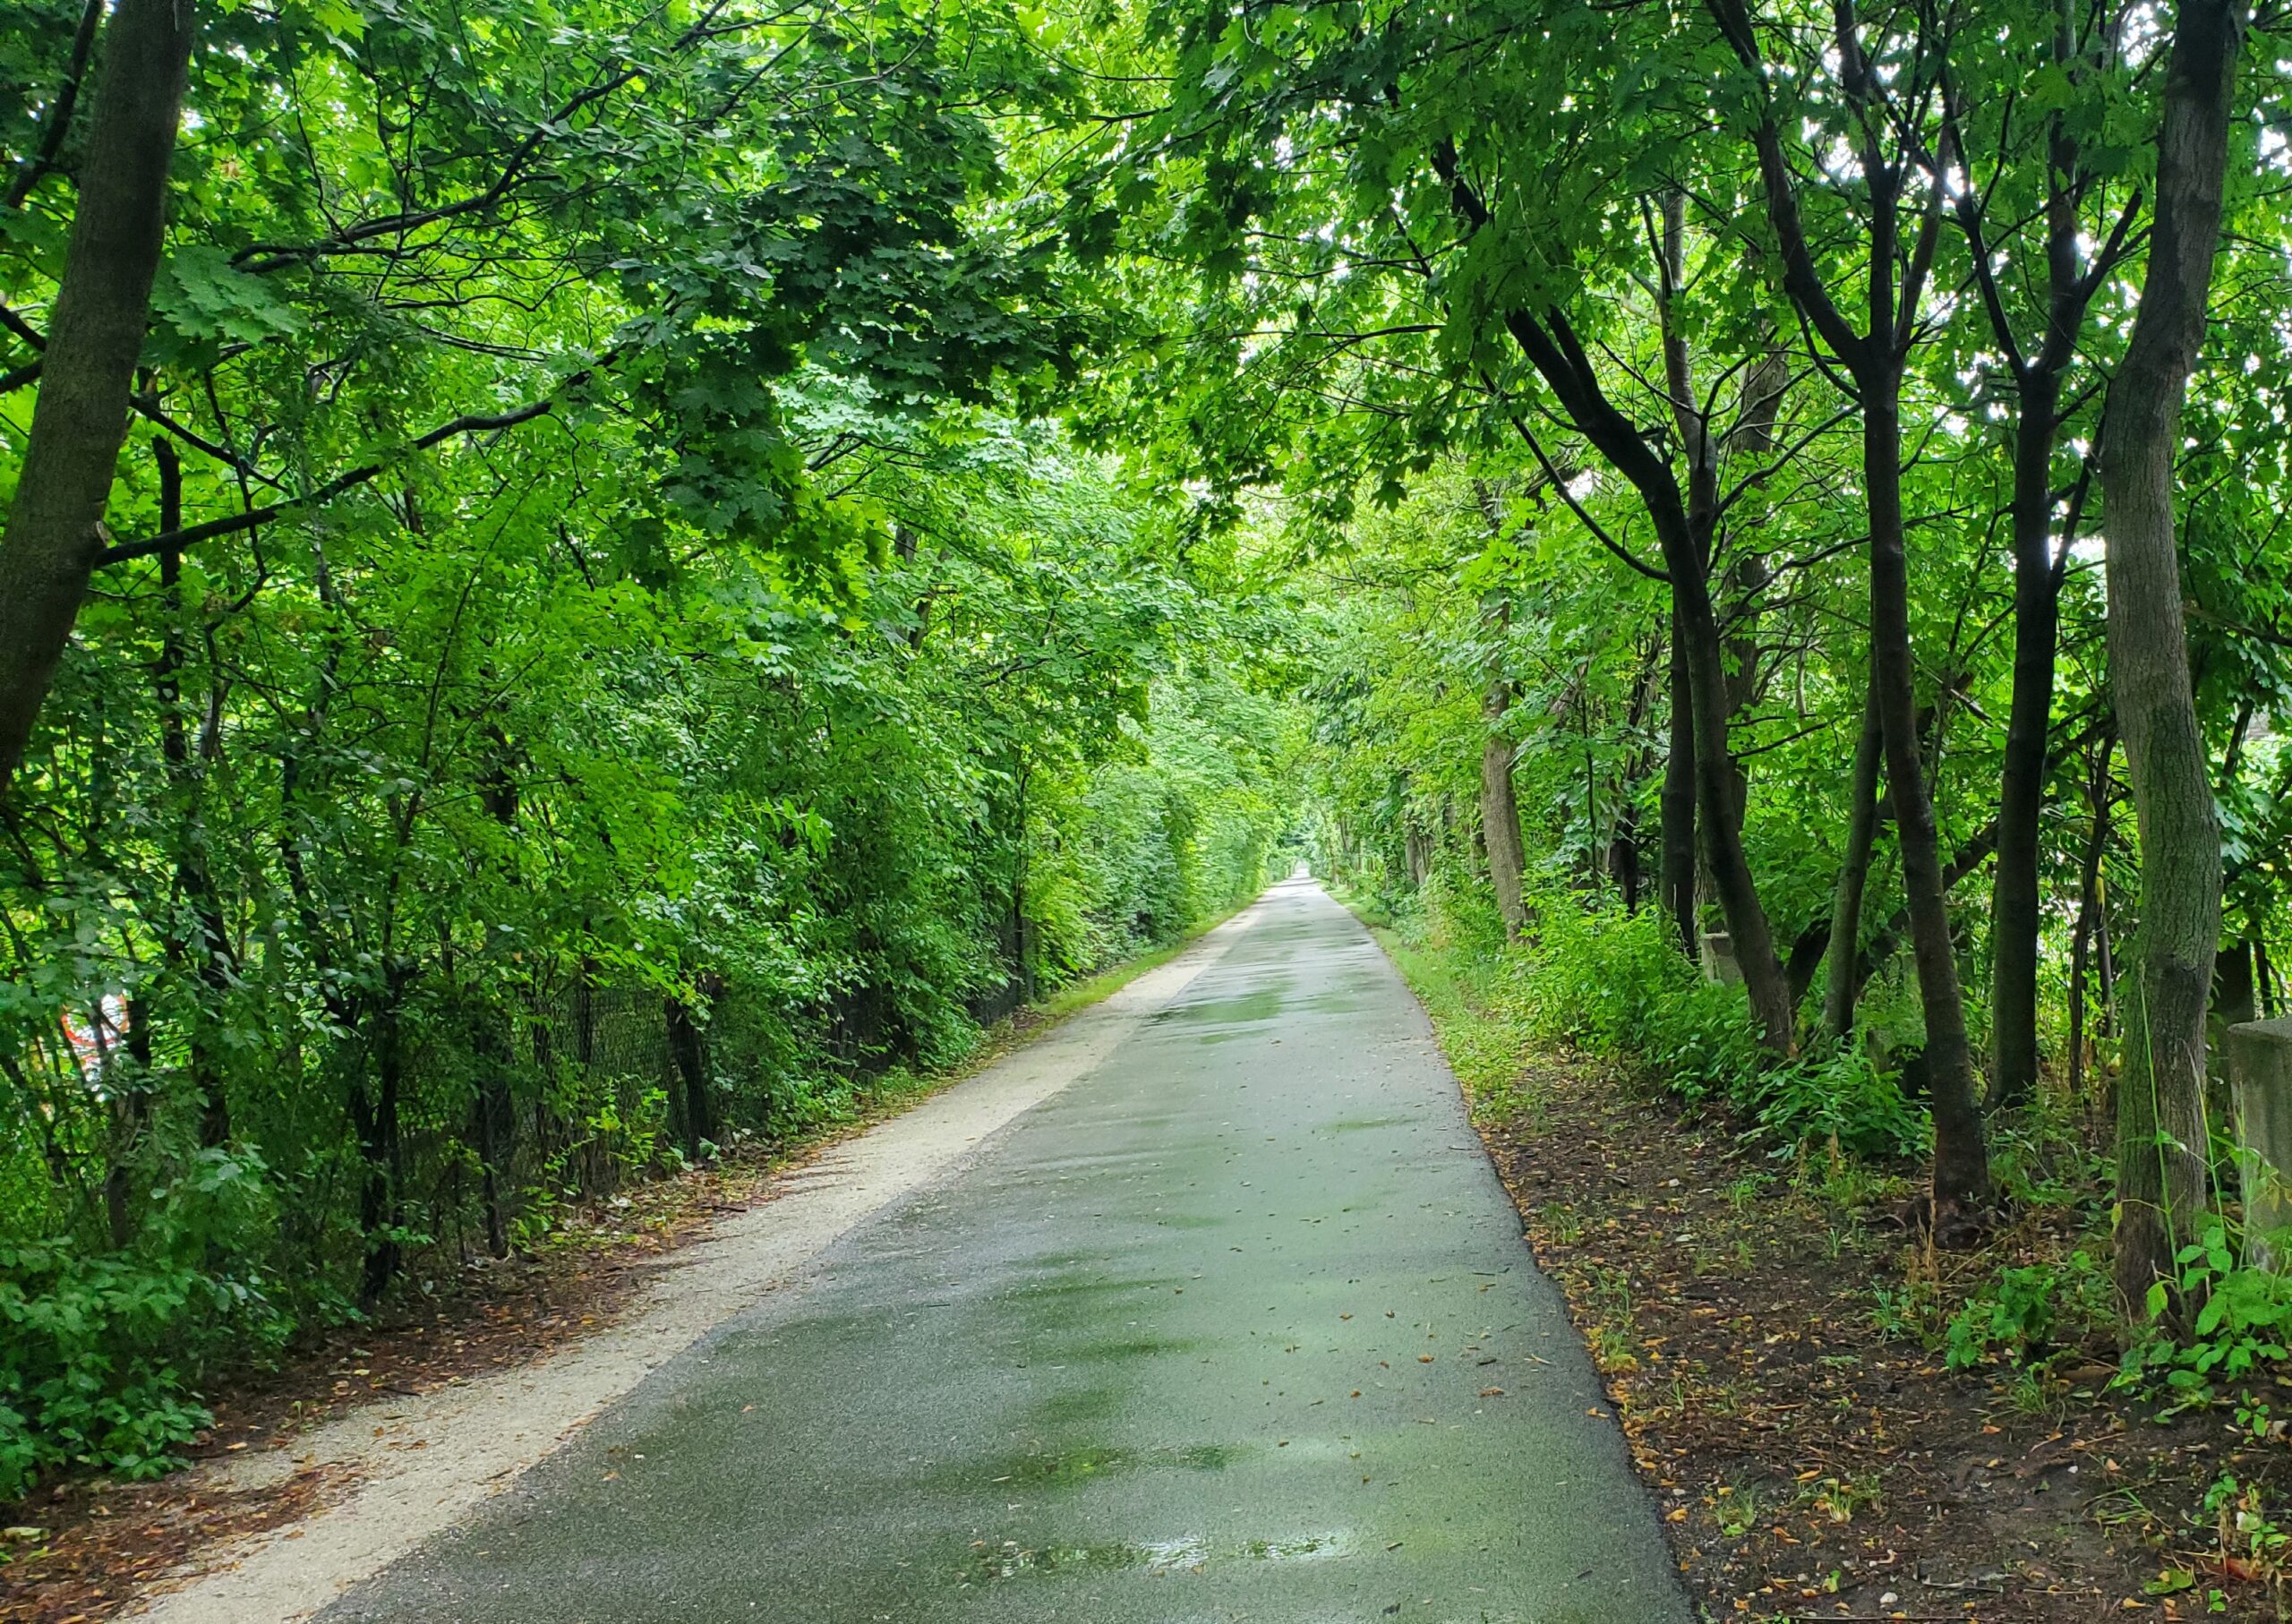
1718, 812
1895, 277
1499, 808
495, 1121
129, 1086
2037, 372
2013, 903
201, 962
55, 529
2090, 901
1678, 802
1840, 985
381, 1145
1499, 816
1961, 1156
692, 1072
2161, 1145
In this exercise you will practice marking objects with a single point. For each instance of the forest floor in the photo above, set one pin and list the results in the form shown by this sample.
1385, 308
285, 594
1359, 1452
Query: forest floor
92, 1550
1812, 1461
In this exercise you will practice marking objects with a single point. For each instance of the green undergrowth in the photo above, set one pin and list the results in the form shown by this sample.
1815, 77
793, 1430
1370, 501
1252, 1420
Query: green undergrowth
1597, 982
104, 1358
2033, 1312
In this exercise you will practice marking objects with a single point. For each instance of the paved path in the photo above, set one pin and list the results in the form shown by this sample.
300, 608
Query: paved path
1238, 1327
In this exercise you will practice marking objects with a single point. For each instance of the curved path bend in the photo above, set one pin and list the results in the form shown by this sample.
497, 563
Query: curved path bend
1237, 1325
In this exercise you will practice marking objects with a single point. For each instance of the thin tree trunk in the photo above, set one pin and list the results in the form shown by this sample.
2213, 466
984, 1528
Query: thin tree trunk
1678, 801
1961, 1155
1716, 813
1623, 841
56, 123
202, 962
1840, 985
1021, 937
493, 1124
130, 1088
1594, 867
2089, 912
2037, 374
380, 1145
1499, 808
1499, 818
55, 529
2013, 901
692, 1073
496, 1117
2162, 1147
1895, 277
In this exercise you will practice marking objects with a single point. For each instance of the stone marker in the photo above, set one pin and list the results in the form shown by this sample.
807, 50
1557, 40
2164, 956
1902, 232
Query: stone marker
2260, 1072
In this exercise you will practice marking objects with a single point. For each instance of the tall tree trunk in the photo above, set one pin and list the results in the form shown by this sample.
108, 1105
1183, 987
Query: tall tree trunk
375, 1116
55, 529
692, 1074
1678, 801
1961, 1155
2161, 1145
1895, 279
495, 1119
2037, 371
1623, 839
1594, 858
1840, 985
1499, 808
129, 1087
1500, 814
2090, 901
494, 1122
201, 961
2013, 903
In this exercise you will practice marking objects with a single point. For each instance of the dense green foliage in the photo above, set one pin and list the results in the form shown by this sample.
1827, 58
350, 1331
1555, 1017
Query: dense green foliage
672, 560
759, 714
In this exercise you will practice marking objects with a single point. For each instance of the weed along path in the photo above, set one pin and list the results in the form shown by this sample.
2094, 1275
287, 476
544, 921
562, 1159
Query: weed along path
1236, 1325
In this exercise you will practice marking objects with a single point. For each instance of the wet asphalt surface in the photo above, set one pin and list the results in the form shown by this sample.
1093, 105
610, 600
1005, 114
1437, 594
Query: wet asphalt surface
1238, 1327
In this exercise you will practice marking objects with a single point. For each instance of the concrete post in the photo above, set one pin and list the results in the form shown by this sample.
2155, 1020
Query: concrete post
2260, 1075
1719, 961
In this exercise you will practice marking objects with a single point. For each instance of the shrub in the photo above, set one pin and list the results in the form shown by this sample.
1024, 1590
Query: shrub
1617, 986
2021, 1315
1842, 1098
2243, 1318
97, 1353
